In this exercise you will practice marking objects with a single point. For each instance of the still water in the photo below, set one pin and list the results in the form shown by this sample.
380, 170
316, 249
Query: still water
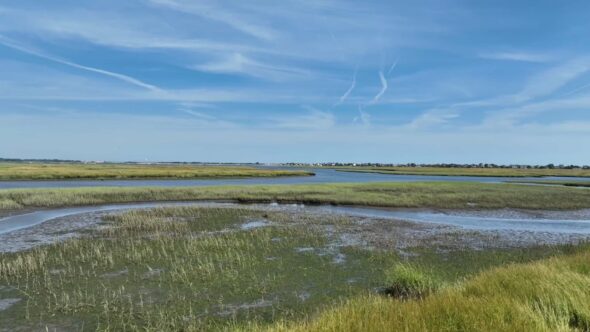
322, 176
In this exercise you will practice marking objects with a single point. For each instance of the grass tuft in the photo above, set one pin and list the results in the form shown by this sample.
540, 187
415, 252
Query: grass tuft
406, 281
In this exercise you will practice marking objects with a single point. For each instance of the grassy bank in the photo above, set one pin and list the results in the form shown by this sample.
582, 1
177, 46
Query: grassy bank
38, 171
464, 171
402, 195
560, 183
550, 295
202, 269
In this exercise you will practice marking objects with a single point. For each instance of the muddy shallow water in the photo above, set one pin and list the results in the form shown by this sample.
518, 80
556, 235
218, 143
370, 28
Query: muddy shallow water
372, 227
575, 222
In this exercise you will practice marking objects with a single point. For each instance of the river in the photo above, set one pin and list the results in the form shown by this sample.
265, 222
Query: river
322, 175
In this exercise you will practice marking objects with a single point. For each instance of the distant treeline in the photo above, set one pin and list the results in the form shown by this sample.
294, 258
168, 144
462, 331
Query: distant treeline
66, 161
480, 165
47, 161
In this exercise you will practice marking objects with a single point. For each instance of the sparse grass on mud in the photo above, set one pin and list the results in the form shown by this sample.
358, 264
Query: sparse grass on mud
38, 171
473, 171
182, 268
188, 268
451, 195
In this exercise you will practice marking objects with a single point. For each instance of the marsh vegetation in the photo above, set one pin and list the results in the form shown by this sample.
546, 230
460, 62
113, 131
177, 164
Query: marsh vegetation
194, 268
473, 171
456, 195
79, 171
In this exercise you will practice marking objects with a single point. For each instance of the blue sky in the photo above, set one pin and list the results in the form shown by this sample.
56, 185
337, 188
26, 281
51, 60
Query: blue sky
276, 81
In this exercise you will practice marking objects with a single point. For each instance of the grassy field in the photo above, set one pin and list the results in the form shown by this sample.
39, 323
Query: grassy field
38, 171
464, 171
201, 269
452, 195
560, 183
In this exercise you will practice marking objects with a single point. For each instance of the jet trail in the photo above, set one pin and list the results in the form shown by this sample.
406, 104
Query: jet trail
8, 43
383, 88
392, 67
349, 91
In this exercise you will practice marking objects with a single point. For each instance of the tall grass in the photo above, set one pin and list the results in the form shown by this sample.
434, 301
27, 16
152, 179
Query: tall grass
38, 171
452, 195
550, 295
405, 281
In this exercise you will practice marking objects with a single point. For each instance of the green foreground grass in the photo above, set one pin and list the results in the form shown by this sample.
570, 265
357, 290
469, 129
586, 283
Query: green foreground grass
474, 171
192, 269
399, 195
549, 295
39, 171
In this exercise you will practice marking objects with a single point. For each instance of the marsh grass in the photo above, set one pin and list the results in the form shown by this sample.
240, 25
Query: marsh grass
189, 268
407, 281
400, 195
180, 268
548, 295
559, 183
64, 171
470, 171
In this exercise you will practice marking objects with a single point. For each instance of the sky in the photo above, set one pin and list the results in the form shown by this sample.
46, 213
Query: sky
296, 81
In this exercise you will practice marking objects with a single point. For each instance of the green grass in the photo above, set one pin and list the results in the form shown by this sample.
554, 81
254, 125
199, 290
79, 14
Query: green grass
549, 295
405, 281
399, 195
465, 171
560, 183
39, 171
188, 268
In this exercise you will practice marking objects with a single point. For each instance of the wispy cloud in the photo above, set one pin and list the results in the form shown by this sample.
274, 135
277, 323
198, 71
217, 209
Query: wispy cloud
212, 11
238, 63
11, 44
433, 118
540, 85
517, 56
314, 119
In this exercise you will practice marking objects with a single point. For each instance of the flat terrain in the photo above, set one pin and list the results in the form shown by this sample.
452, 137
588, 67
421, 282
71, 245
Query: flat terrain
38, 171
464, 171
250, 268
560, 183
438, 195
195, 268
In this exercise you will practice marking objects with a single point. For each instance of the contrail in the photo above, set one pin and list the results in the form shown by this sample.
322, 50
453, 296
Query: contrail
576, 90
383, 88
392, 67
349, 91
363, 117
384, 82
8, 43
